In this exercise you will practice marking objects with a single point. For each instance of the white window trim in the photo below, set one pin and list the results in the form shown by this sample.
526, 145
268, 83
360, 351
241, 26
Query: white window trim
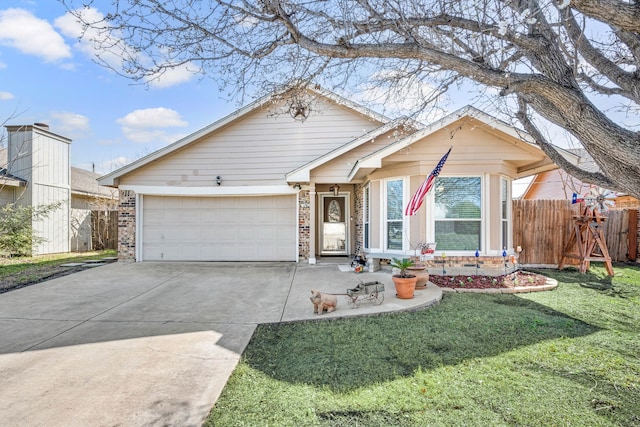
509, 218
366, 207
383, 201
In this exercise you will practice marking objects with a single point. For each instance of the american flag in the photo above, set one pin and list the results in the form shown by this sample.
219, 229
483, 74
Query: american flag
418, 197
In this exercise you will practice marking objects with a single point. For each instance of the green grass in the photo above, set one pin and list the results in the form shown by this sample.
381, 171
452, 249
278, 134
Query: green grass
568, 357
21, 271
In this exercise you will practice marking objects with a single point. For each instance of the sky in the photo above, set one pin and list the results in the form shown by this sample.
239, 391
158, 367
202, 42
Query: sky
48, 76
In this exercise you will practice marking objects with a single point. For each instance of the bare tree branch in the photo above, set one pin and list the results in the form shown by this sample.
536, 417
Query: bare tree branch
571, 63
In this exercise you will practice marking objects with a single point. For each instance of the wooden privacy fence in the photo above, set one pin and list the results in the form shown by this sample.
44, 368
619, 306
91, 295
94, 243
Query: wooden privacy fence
542, 228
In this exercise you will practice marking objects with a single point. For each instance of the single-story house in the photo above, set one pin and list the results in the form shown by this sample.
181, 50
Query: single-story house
299, 178
35, 170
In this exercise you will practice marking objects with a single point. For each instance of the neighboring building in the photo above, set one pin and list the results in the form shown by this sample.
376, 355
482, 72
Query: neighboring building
36, 171
280, 180
559, 185
90, 198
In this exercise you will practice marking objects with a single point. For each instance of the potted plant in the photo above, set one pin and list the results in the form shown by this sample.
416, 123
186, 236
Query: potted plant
419, 269
405, 283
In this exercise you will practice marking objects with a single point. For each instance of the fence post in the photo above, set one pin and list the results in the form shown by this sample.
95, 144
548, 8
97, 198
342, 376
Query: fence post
633, 235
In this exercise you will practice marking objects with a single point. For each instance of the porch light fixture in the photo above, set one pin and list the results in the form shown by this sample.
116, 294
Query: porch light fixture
218, 180
297, 186
335, 190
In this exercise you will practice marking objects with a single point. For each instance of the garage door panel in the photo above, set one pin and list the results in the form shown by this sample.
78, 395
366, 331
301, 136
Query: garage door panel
219, 228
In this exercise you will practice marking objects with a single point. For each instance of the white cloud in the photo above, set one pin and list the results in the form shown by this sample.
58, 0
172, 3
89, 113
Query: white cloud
149, 125
92, 40
89, 40
31, 35
70, 124
172, 77
5, 96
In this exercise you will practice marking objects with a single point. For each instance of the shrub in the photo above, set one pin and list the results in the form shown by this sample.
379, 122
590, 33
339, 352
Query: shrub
17, 236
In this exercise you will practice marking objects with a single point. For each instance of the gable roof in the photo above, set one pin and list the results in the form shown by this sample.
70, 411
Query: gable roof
111, 179
84, 182
374, 160
303, 173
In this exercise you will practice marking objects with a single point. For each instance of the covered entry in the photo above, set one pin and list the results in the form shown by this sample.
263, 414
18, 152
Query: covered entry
239, 228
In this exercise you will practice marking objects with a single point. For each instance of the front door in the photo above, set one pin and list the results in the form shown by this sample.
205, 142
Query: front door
334, 233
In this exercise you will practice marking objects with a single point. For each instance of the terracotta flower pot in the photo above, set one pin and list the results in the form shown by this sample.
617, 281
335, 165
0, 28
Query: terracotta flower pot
422, 276
405, 286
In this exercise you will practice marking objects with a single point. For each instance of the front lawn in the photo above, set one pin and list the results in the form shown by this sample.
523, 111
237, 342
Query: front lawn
568, 357
23, 271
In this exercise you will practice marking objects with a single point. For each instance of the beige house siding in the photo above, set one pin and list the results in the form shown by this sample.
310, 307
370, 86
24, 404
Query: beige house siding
416, 223
476, 151
553, 185
337, 169
260, 147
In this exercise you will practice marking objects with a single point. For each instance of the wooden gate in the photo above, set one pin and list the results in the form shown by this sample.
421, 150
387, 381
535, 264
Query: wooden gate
616, 232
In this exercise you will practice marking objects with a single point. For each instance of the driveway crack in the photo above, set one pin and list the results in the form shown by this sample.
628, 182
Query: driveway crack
286, 301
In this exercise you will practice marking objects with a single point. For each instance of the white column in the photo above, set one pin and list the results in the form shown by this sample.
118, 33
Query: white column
312, 223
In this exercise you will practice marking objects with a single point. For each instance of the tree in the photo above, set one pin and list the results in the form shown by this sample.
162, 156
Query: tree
17, 236
571, 64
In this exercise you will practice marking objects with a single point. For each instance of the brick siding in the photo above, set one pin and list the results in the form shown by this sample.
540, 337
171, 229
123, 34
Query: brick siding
127, 226
304, 224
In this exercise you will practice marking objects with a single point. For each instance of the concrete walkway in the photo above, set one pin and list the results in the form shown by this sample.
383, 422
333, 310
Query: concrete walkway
152, 344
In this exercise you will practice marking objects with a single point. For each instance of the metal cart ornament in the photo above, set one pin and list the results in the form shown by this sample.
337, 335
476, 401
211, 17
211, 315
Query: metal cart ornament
372, 291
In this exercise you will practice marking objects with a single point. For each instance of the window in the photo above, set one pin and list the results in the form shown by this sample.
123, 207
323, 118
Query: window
394, 214
504, 199
366, 220
458, 213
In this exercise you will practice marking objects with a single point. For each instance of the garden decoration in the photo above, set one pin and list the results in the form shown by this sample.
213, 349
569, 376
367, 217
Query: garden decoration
600, 200
322, 302
504, 258
358, 263
477, 260
370, 291
587, 235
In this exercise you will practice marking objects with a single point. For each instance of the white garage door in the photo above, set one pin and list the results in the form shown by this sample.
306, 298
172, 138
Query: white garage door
261, 228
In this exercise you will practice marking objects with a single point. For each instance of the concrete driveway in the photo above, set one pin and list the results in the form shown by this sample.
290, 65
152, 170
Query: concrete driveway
149, 344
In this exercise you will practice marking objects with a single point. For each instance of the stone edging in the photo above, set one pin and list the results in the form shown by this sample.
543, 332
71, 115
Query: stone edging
549, 285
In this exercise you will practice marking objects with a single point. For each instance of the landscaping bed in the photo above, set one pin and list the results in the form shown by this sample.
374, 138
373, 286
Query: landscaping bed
516, 279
